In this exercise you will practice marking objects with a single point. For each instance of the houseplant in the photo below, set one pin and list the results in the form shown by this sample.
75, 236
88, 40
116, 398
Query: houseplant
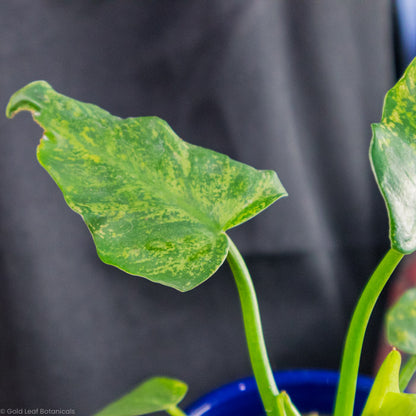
158, 207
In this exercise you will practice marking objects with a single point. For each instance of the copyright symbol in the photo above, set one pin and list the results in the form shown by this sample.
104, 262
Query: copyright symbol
2, 411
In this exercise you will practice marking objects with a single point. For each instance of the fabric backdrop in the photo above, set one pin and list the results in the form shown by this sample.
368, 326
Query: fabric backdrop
280, 84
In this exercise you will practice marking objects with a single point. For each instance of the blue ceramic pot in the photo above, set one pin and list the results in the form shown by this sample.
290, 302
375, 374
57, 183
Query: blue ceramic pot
310, 390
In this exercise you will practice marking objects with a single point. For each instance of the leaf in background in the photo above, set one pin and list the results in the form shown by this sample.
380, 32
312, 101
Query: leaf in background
154, 395
386, 381
393, 157
401, 323
156, 206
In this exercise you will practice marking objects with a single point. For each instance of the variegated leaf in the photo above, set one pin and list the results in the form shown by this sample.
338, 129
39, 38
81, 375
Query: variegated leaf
393, 157
156, 206
401, 323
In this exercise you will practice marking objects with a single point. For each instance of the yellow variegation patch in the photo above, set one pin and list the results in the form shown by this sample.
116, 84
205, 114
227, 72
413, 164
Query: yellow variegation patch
393, 158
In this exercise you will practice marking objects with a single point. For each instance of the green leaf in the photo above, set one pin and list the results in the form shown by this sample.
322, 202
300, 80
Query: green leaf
398, 404
401, 323
385, 398
393, 157
156, 206
386, 381
154, 395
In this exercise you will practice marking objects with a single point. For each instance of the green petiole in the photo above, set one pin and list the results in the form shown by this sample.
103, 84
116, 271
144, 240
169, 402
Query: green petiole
254, 333
407, 372
281, 405
353, 345
175, 411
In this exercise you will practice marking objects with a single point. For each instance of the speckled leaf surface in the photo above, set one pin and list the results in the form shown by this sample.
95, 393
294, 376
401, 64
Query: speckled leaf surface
157, 207
401, 323
393, 157
154, 395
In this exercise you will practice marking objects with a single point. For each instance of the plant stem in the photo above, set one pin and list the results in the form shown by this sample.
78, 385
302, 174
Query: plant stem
407, 372
175, 411
281, 405
254, 332
354, 342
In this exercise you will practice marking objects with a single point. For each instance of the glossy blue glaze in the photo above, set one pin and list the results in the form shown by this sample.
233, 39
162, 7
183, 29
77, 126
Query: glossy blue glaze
310, 390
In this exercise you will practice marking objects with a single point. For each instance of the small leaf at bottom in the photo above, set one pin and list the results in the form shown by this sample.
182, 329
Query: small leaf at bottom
386, 381
398, 404
155, 394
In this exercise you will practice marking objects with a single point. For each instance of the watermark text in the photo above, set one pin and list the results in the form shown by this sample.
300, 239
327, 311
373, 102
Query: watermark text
36, 411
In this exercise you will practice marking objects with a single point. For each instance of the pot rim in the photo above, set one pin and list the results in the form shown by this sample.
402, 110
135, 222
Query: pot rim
287, 379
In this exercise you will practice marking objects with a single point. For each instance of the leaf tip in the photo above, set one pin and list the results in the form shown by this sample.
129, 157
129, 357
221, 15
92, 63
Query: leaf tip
27, 98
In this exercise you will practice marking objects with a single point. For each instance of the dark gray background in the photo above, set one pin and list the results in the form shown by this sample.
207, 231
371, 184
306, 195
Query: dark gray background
287, 85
